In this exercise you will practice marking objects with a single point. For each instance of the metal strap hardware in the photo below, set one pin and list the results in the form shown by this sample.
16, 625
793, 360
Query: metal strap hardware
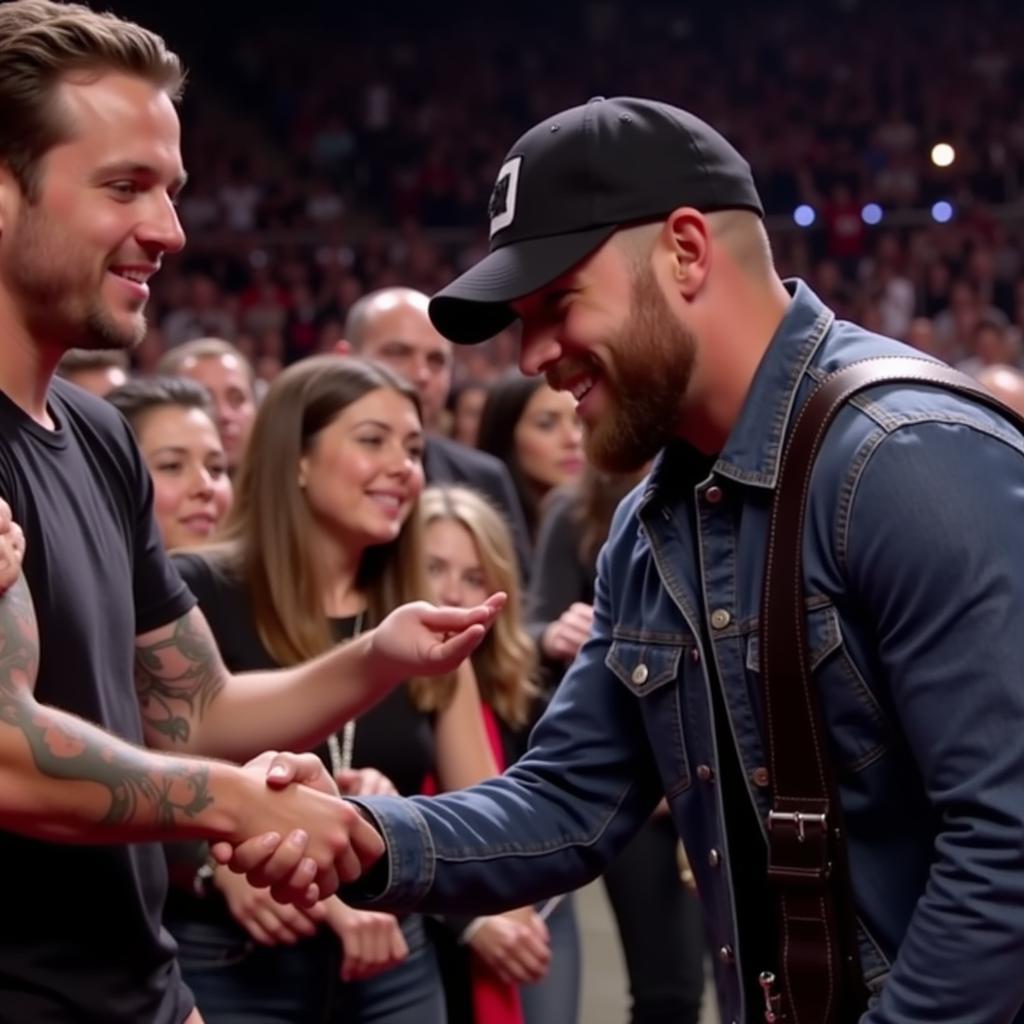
799, 819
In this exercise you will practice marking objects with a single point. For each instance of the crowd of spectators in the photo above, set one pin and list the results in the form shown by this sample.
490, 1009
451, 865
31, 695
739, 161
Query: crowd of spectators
345, 150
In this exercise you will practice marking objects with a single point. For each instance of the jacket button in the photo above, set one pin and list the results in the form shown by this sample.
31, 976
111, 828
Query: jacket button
705, 772
726, 955
713, 495
760, 777
720, 618
714, 858
640, 675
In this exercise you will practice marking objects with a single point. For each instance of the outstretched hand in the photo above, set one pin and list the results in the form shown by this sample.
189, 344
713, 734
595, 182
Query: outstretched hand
420, 639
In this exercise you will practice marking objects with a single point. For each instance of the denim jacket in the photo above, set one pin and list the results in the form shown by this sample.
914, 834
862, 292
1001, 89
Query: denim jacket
914, 585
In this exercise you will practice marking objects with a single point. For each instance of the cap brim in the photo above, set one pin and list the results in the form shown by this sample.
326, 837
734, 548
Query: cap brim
475, 306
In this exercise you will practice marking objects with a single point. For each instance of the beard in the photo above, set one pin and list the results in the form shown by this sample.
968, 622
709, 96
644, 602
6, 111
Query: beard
57, 289
651, 362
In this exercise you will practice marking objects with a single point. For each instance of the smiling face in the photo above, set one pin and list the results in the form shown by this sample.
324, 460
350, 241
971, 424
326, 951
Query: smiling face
455, 570
75, 259
363, 472
192, 490
605, 333
549, 440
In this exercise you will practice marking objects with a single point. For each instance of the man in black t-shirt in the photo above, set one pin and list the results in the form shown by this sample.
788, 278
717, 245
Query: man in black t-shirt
89, 170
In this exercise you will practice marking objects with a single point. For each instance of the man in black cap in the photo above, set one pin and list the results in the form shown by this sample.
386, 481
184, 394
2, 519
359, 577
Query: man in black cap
626, 235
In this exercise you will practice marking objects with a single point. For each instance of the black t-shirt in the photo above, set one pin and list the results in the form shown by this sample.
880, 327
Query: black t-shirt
80, 932
394, 736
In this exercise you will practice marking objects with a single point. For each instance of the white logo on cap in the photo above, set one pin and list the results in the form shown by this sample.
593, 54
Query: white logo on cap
502, 206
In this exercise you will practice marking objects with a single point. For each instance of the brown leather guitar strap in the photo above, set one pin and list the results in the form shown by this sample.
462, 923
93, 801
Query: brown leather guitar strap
820, 976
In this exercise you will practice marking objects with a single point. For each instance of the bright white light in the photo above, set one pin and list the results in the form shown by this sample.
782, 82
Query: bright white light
871, 214
943, 154
942, 212
804, 215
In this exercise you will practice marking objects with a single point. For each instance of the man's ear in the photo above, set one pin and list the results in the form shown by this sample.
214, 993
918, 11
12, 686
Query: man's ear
343, 347
687, 238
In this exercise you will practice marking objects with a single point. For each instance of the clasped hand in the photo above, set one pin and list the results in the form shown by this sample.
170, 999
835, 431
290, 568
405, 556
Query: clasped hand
302, 842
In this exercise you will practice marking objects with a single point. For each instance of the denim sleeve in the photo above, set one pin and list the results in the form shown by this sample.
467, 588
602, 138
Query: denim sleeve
551, 823
935, 553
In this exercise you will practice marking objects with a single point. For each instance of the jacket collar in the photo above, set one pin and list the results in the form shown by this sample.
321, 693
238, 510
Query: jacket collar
753, 449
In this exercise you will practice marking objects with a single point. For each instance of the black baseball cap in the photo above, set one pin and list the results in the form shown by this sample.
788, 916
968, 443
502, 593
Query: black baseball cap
570, 183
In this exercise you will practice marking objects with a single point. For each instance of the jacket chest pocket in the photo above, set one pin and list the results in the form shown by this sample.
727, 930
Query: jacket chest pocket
650, 671
858, 728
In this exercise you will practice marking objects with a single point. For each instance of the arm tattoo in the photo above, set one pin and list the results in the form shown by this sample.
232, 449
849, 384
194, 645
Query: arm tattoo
66, 747
177, 677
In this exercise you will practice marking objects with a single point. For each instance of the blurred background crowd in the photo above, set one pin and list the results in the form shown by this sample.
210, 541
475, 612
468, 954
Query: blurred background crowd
340, 163
351, 148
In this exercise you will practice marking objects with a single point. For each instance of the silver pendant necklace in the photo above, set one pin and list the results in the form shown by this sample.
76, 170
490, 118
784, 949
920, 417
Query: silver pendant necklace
341, 752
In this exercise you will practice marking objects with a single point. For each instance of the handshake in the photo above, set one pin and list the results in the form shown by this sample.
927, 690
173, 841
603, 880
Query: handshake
303, 839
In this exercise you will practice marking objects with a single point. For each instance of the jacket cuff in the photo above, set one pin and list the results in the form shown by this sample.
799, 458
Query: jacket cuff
406, 872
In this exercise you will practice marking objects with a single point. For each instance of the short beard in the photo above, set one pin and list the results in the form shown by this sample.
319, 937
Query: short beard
50, 287
652, 357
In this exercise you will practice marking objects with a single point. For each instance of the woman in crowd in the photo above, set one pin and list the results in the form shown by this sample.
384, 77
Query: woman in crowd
534, 431
658, 916
470, 552
172, 418
322, 543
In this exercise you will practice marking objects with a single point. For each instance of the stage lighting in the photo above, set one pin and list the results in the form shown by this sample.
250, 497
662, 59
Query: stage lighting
871, 214
804, 215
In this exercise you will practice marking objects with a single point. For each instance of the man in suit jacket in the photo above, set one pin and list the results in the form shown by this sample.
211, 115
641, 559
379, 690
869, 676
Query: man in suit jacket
391, 326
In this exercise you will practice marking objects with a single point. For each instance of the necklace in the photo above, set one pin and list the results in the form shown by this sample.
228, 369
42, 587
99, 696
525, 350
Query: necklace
341, 752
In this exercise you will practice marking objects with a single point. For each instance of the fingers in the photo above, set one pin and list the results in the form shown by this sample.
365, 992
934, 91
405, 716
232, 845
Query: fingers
284, 769
282, 866
457, 648
529, 959
447, 619
364, 782
371, 943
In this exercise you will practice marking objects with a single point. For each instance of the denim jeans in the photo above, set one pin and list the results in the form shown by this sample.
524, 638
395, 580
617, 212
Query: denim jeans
236, 981
660, 927
555, 999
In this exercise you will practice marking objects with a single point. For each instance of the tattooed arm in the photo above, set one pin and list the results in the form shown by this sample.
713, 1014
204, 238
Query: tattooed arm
191, 703
64, 779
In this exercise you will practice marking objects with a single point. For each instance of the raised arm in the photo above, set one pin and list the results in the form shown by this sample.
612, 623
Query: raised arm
191, 703
66, 780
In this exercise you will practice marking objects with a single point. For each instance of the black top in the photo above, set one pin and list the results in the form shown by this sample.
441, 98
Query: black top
560, 577
80, 933
394, 737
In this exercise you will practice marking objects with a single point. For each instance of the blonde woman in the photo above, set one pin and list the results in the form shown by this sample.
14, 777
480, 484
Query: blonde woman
322, 542
469, 550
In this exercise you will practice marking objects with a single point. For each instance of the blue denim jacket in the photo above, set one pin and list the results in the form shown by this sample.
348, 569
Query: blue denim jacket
915, 603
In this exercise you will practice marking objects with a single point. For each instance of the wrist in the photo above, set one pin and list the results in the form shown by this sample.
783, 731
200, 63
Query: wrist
233, 790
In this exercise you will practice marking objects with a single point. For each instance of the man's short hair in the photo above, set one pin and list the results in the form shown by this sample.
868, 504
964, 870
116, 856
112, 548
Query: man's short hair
174, 359
81, 360
41, 42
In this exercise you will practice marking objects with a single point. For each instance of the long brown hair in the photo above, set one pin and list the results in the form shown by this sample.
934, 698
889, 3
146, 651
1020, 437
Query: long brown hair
269, 531
505, 663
